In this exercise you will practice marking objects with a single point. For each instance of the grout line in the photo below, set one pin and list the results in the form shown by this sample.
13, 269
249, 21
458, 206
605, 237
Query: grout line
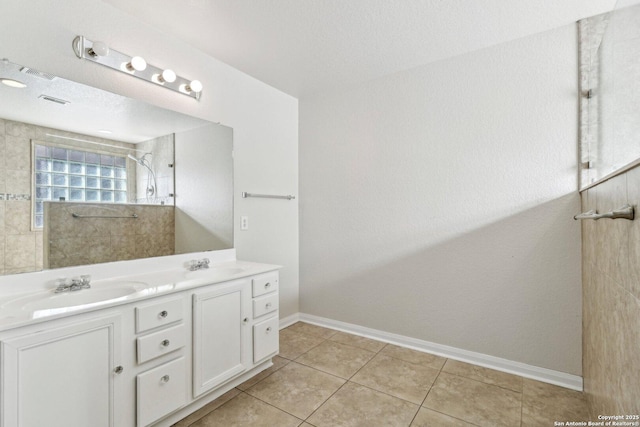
325, 401
362, 367
384, 392
434, 410
271, 404
213, 410
431, 388
276, 370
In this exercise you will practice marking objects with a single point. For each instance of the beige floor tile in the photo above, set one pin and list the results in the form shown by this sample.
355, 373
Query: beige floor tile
309, 329
428, 418
408, 381
358, 341
474, 401
209, 407
293, 344
414, 356
245, 411
278, 362
296, 389
338, 359
542, 404
357, 406
489, 376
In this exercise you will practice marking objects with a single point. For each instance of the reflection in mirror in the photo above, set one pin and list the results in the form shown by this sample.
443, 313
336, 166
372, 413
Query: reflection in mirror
87, 176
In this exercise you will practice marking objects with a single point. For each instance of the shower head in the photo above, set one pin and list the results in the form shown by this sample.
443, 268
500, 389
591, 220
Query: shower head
142, 161
135, 159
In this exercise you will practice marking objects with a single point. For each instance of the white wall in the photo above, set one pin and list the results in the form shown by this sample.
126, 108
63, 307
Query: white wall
38, 33
437, 203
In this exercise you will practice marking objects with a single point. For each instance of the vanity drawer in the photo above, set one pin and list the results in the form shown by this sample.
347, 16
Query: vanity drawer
265, 283
161, 391
265, 304
158, 314
160, 343
265, 339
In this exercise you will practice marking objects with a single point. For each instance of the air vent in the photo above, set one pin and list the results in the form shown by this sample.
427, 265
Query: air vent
53, 99
36, 73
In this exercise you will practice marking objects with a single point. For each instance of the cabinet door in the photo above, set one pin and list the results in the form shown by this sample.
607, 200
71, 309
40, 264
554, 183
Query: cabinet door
221, 334
61, 377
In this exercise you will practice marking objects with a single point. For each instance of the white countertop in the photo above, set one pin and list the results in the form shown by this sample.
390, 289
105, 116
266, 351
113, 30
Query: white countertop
143, 278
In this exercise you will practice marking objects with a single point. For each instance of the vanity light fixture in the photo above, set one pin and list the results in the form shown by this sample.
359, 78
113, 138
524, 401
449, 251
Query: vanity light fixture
136, 66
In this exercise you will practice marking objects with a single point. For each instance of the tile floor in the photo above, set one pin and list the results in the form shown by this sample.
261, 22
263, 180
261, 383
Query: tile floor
326, 378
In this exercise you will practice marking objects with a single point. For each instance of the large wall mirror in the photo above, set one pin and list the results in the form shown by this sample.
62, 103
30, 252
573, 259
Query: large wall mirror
87, 176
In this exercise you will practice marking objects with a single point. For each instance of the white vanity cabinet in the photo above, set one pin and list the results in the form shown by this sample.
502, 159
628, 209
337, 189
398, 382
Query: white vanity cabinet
221, 334
148, 362
64, 375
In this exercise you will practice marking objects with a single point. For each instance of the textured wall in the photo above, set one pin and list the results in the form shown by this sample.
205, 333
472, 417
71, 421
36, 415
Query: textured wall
79, 241
437, 203
611, 299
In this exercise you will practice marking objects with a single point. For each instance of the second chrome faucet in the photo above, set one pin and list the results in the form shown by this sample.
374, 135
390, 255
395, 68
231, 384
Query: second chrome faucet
76, 284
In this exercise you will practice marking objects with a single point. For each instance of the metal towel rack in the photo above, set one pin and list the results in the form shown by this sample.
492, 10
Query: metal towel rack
76, 215
266, 196
625, 212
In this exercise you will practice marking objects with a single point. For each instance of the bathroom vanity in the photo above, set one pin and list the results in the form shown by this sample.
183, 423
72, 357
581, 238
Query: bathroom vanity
137, 350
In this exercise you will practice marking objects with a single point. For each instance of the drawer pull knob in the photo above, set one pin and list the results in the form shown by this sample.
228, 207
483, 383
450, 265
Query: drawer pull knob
268, 305
269, 329
165, 378
165, 343
245, 320
163, 314
118, 370
267, 285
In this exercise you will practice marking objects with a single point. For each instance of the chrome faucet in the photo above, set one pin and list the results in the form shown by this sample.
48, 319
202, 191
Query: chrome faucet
76, 284
199, 264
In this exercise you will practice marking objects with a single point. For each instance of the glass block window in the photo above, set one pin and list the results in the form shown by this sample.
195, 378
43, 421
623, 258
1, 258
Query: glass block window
64, 174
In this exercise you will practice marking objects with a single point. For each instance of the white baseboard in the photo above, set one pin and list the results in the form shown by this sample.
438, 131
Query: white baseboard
289, 320
550, 376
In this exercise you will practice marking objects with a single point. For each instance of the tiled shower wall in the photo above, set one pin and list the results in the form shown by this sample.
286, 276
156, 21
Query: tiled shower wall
611, 299
18, 244
21, 248
79, 241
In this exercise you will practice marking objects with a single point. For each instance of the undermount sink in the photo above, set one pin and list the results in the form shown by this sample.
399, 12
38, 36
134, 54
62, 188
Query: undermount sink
93, 296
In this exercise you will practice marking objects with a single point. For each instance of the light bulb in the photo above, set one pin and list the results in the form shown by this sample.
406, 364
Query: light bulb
13, 83
137, 63
167, 76
194, 86
99, 49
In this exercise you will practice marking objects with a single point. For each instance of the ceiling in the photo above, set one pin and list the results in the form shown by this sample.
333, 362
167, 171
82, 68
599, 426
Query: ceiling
88, 111
305, 46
